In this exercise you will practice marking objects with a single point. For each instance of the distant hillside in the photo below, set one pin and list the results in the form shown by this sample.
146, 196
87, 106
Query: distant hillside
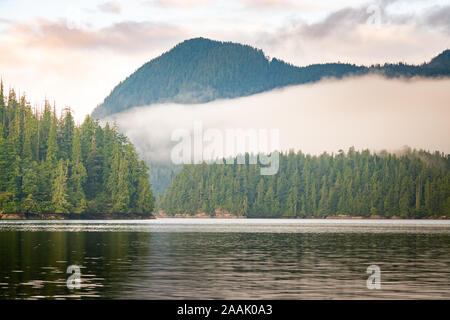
201, 70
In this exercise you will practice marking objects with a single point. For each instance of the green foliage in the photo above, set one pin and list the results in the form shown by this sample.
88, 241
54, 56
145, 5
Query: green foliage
201, 70
59, 189
414, 184
49, 165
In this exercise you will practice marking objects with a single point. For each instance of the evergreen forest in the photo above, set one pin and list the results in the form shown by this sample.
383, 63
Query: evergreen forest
48, 164
412, 184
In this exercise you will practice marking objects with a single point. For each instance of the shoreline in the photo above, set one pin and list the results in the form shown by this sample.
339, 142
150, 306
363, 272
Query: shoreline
338, 217
18, 216
74, 216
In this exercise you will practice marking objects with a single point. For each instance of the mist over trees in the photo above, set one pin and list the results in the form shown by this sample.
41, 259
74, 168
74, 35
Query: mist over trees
415, 184
50, 165
201, 70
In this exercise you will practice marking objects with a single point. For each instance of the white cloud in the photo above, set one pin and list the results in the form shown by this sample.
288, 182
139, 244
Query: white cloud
113, 7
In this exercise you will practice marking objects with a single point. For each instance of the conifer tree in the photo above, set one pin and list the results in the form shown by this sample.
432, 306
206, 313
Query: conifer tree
59, 189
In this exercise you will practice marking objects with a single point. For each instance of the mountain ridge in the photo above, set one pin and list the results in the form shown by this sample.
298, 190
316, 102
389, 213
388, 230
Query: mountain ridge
200, 70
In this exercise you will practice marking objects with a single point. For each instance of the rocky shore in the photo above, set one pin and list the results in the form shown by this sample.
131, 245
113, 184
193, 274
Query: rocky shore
218, 215
73, 216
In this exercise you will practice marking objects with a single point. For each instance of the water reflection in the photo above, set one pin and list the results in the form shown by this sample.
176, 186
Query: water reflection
136, 264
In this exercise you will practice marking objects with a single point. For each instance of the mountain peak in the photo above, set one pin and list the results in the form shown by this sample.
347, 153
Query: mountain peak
197, 70
198, 39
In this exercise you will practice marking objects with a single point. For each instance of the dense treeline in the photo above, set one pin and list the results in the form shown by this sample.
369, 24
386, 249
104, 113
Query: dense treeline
415, 184
50, 165
201, 70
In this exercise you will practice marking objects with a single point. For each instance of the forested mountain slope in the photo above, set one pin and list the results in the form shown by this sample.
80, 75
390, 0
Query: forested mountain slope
201, 70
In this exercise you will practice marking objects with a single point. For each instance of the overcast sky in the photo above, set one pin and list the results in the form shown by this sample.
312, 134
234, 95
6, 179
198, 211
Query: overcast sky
75, 52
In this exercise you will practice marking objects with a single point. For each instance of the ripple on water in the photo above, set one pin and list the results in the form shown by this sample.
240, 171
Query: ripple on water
225, 259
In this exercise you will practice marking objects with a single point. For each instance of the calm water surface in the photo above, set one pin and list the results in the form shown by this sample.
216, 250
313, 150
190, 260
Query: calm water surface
225, 259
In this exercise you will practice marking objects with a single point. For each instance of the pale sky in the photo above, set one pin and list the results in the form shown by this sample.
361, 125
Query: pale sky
75, 52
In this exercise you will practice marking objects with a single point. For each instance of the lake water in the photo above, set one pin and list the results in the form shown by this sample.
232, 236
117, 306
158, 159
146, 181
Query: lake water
225, 259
